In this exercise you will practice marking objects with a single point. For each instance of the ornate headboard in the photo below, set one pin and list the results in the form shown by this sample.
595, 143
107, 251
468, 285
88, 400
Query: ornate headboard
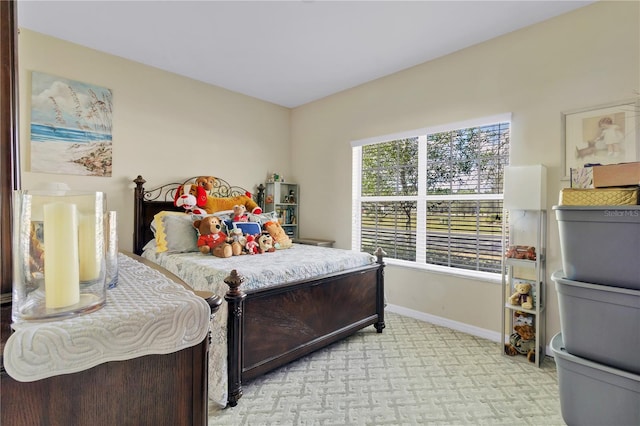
147, 203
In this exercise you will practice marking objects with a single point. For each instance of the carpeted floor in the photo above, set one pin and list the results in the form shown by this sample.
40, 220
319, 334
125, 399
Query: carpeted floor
414, 373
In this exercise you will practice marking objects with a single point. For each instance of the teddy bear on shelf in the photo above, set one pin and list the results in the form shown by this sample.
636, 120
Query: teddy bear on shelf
280, 238
522, 296
212, 240
522, 342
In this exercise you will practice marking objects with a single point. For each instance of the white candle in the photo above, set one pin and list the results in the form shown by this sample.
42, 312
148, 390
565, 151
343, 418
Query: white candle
89, 259
61, 275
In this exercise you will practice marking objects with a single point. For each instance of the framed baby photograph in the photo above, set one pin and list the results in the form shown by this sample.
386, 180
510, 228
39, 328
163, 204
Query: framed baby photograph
603, 134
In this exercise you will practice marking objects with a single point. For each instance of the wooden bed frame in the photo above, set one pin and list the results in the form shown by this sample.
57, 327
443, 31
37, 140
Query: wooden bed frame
270, 327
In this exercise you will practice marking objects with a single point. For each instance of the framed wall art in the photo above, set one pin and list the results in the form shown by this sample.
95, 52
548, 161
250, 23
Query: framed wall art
603, 134
71, 126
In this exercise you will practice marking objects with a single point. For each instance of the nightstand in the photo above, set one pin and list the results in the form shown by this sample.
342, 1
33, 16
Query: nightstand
314, 242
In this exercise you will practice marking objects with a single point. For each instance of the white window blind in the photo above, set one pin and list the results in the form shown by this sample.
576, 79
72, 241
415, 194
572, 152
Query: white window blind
433, 196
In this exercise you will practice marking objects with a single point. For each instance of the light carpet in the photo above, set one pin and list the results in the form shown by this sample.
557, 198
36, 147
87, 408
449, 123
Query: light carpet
414, 373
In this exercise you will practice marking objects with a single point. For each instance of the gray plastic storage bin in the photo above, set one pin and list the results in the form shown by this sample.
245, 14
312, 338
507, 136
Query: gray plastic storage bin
595, 394
600, 323
600, 244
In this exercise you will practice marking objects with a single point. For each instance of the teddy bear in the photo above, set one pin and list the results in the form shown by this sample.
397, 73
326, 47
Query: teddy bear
521, 296
191, 198
237, 240
239, 213
280, 238
522, 342
211, 239
265, 243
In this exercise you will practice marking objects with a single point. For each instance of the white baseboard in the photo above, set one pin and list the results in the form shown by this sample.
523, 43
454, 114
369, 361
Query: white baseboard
445, 322
454, 325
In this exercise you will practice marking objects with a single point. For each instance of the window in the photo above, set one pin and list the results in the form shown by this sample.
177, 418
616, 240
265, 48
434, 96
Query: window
433, 196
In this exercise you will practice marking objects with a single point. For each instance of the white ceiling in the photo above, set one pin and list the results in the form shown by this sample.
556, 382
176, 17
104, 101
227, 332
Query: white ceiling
285, 52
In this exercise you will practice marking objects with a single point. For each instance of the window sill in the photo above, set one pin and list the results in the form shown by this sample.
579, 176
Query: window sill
462, 273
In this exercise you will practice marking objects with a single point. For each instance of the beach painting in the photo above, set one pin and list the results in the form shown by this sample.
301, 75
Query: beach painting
70, 126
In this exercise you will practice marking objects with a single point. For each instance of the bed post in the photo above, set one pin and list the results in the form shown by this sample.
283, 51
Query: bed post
138, 197
380, 304
235, 304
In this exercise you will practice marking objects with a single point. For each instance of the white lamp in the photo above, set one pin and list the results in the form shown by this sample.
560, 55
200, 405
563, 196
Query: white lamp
525, 187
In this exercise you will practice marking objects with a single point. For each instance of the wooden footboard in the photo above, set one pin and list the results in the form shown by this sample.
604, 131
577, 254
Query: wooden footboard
271, 327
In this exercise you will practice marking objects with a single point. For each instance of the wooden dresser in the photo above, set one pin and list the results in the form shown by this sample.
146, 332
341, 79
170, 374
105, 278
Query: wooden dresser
154, 390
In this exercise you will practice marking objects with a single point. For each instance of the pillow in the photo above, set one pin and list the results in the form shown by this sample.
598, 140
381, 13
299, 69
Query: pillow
251, 228
174, 232
263, 217
223, 214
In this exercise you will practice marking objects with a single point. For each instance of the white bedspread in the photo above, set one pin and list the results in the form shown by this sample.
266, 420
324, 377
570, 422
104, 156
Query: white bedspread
205, 272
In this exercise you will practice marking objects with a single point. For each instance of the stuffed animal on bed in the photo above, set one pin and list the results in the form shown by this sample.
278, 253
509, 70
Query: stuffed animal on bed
240, 213
211, 239
251, 247
237, 241
191, 198
218, 204
206, 182
280, 238
265, 243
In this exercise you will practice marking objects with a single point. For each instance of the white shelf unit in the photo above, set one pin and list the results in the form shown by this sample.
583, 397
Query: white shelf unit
526, 227
284, 198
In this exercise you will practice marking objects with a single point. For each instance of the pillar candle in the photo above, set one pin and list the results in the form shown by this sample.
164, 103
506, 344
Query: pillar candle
87, 245
61, 274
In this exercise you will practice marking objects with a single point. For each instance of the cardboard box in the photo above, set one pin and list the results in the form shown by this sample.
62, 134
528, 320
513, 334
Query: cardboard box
622, 174
582, 177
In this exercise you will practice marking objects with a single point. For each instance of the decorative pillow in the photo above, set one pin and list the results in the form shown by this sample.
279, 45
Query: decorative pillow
174, 232
251, 228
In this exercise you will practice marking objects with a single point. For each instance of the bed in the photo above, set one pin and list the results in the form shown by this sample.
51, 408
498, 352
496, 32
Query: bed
279, 306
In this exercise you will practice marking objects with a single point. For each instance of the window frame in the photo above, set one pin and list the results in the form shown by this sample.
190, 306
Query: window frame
421, 197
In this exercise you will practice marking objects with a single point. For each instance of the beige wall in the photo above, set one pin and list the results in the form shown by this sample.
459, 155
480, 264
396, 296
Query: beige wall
584, 58
165, 127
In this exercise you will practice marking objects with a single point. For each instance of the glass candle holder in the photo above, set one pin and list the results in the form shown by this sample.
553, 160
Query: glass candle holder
59, 263
112, 249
